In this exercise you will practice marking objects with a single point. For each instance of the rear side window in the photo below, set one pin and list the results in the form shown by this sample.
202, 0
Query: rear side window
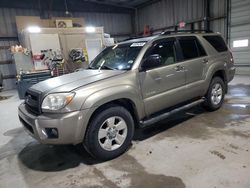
191, 48
217, 42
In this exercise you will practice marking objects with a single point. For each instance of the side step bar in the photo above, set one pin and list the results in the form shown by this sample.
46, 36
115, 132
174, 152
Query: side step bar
167, 114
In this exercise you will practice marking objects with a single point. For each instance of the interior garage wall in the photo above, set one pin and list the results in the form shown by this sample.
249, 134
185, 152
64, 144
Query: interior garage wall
116, 24
7, 68
165, 14
239, 30
218, 17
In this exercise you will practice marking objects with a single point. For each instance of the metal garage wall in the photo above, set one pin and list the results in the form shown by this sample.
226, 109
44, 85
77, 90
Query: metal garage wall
114, 23
7, 68
239, 29
166, 13
218, 16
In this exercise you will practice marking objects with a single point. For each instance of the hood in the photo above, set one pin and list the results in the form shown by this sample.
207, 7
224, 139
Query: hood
74, 80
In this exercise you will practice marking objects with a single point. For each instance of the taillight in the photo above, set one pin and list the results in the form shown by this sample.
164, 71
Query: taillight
231, 57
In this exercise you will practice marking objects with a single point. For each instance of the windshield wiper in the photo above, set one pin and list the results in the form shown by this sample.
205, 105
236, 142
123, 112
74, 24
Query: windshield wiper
106, 67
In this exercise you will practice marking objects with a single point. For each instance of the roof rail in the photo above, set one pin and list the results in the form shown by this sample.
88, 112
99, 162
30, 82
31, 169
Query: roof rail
133, 37
185, 31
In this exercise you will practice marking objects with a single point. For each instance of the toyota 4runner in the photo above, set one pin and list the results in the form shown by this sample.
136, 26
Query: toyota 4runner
132, 84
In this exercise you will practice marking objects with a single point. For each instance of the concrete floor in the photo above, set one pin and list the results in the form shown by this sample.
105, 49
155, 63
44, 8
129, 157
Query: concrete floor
192, 149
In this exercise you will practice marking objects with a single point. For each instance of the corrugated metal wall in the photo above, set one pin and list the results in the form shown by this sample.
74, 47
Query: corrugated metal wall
167, 13
113, 23
7, 68
218, 16
240, 29
116, 24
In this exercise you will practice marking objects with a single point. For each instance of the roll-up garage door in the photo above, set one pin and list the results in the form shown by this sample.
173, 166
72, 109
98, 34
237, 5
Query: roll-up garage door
240, 34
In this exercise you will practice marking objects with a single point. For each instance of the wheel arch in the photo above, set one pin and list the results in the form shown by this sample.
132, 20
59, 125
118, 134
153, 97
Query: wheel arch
221, 74
127, 103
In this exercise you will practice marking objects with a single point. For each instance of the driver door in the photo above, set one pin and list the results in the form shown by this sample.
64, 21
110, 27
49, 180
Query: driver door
164, 85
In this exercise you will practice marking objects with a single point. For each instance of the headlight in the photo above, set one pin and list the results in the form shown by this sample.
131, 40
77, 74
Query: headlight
57, 101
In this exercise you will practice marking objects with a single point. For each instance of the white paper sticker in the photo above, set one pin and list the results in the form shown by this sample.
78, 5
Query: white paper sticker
130, 62
138, 44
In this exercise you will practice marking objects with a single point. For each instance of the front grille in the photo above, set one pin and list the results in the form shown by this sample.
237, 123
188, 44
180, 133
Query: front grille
26, 125
32, 101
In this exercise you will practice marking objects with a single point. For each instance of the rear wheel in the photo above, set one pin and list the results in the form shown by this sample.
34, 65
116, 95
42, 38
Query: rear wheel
109, 133
215, 94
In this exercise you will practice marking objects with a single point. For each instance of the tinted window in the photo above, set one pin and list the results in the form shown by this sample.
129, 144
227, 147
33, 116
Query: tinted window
200, 49
217, 42
191, 48
166, 50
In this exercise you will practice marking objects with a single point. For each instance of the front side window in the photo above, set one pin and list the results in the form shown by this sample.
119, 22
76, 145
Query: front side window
119, 57
166, 50
191, 48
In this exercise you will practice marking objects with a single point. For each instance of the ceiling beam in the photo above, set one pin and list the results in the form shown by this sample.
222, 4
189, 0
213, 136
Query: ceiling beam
73, 6
8, 38
147, 3
109, 3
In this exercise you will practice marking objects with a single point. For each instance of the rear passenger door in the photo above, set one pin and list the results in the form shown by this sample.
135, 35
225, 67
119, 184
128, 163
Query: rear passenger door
195, 61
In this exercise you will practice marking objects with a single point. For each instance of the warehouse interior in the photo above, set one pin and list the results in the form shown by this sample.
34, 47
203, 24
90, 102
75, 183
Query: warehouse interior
43, 39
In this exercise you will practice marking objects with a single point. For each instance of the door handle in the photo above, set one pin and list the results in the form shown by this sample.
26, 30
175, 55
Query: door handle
205, 61
158, 78
169, 75
179, 68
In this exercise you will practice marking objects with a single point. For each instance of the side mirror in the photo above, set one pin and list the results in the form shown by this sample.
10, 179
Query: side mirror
152, 61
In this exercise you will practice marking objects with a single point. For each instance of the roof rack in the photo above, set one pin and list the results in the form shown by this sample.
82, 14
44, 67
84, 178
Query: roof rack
185, 31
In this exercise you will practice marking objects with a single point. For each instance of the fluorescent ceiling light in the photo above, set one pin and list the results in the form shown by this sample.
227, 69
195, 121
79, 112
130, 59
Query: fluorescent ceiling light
90, 29
240, 43
34, 29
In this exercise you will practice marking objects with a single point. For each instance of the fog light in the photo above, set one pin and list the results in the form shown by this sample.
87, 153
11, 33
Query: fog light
51, 132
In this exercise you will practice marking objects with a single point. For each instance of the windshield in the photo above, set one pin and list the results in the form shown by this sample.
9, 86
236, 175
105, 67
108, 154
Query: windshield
118, 57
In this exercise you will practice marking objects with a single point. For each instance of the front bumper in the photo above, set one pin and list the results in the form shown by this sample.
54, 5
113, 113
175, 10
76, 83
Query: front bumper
70, 126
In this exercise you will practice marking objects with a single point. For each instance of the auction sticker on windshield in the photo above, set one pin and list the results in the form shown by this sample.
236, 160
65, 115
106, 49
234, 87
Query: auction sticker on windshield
138, 44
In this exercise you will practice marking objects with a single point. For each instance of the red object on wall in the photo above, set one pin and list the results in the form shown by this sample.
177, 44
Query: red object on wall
182, 24
147, 31
37, 56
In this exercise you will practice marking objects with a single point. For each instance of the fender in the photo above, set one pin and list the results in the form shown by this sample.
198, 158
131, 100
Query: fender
212, 69
109, 94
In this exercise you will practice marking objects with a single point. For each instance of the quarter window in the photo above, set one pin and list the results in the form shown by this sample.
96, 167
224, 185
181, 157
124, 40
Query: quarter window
217, 42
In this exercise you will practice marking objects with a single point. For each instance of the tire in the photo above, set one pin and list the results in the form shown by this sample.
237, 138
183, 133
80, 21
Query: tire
113, 126
214, 100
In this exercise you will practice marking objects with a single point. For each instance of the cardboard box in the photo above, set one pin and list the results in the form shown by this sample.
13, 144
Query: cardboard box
23, 22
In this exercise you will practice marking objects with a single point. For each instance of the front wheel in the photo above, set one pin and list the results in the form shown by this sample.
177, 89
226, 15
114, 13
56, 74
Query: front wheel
109, 133
215, 94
